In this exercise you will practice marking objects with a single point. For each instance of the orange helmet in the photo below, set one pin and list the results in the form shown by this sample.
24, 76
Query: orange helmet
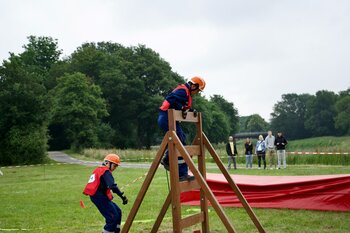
198, 80
113, 158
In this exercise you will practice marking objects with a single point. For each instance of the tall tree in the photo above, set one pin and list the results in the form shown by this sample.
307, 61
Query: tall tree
255, 123
289, 115
320, 118
24, 106
229, 110
342, 120
79, 107
134, 81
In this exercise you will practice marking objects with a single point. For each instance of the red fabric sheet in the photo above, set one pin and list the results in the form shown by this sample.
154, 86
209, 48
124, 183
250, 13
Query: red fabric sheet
326, 192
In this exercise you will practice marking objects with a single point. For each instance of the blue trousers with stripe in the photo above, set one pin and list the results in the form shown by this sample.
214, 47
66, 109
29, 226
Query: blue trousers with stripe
110, 211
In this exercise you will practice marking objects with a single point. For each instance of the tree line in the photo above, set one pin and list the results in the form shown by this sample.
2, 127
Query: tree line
102, 95
303, 115
107, 95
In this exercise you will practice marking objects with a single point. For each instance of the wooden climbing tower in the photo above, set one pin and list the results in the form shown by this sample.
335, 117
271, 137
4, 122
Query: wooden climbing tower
176, 149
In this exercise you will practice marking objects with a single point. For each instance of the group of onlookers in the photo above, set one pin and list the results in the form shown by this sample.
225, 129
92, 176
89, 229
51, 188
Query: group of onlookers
268, 146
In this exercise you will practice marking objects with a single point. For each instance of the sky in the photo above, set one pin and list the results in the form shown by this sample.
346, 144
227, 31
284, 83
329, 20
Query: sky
249, 51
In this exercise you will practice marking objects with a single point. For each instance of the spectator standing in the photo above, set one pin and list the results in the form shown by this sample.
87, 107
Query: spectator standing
261, 151
280, 144
270, 145
231, 151
248, 153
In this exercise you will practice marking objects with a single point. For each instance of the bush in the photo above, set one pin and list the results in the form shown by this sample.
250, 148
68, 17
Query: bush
24, 146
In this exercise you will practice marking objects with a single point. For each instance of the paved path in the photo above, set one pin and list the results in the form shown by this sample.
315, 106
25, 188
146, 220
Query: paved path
64, 158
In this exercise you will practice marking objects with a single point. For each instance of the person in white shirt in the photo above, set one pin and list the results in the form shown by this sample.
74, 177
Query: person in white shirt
261, 151
271, 152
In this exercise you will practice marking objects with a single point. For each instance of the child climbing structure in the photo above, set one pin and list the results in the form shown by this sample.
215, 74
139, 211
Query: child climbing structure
176, 149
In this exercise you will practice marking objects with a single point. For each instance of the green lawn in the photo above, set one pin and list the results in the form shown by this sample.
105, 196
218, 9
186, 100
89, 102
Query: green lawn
46, 199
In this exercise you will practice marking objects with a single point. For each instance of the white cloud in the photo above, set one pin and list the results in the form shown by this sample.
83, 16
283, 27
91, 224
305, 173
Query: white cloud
251, 52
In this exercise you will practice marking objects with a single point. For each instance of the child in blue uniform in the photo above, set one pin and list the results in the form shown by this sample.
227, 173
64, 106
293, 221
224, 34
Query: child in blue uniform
179, 99
100, 187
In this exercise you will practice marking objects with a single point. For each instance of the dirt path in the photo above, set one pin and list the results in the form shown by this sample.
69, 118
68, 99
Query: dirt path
64, 158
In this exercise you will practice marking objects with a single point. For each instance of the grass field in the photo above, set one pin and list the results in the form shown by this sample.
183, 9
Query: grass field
46, 199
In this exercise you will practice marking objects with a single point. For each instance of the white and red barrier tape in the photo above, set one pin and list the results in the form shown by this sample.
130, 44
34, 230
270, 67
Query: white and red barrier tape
318, 153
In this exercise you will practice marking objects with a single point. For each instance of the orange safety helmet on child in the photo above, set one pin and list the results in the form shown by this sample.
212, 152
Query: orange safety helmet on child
198, 80
113, 158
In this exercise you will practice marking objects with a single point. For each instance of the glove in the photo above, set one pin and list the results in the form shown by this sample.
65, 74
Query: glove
124, 198
184, 113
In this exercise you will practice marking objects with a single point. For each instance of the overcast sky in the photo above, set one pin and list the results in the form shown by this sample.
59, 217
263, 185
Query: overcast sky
251, 52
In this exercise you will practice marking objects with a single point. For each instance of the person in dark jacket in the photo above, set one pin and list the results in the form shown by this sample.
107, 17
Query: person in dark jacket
100, 187
179, 99
248, 153
231, 151
280, 144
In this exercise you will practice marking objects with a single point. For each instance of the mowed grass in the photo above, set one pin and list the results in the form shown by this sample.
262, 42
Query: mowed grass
319, 144
46, 199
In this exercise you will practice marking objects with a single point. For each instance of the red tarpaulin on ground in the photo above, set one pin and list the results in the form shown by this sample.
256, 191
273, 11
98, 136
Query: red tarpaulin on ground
326, 192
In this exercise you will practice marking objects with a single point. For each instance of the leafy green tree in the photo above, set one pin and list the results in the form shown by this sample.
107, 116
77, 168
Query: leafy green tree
289, 115
229, 110
24, 106
79, 107
342, 120
243, 123
134, 81
320, 117
255, 123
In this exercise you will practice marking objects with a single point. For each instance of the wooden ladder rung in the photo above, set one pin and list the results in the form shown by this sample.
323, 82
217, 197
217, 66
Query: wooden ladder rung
192, 220
193, 150
190, 117
189, 185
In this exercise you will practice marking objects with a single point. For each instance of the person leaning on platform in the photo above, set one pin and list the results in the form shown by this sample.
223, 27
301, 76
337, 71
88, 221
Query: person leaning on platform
260, 150
270, 145
280, 144
179, 99
248, 153
231, 151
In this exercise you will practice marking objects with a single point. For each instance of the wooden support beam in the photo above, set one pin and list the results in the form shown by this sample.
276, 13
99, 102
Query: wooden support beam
208, 193
145, 185
233, 185
190, 116
161, 214
203, 171
193, 150
188, 186
192, 220
174, 173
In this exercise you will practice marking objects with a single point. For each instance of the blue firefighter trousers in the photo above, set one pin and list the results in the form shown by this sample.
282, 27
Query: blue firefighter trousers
110, 211
163, 124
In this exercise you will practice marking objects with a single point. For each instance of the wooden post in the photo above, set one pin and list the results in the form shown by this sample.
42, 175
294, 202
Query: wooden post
174, 175
202, 170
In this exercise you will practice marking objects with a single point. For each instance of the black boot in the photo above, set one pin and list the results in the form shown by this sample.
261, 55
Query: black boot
165, 163
186, 178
